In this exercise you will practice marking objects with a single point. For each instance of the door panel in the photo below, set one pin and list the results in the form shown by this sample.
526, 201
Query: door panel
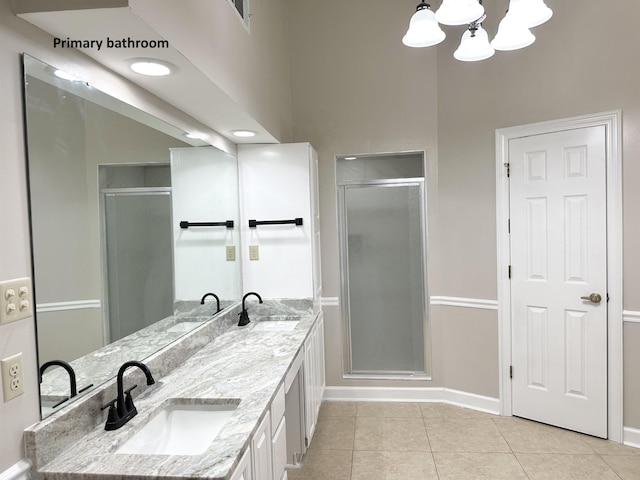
558, 255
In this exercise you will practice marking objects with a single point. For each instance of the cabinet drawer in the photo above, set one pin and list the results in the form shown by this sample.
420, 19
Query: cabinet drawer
277, 408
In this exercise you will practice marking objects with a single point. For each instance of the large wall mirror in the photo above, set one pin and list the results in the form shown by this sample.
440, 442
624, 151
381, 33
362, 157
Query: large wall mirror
116, 275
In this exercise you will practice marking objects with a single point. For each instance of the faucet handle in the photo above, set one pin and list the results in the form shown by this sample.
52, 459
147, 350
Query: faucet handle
112, 417
128, 400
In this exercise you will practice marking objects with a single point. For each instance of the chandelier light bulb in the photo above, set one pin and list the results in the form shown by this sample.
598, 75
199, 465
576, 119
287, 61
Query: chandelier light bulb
459, 12
530, 12
474, 46
512, 35
424, 30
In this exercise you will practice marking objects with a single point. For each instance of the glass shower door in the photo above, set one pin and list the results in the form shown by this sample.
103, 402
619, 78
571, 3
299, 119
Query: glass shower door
139, 260
383, 262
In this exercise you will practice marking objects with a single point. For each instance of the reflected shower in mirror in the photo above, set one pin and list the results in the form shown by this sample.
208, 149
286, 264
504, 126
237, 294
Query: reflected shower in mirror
115, 276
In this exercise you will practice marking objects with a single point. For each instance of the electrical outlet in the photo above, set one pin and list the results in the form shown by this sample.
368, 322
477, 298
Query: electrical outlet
254, 252
16, 300
231, 253
12, 378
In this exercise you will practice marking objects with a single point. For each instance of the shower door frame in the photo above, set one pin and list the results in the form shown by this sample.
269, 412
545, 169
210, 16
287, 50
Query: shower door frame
104, 262
347, 366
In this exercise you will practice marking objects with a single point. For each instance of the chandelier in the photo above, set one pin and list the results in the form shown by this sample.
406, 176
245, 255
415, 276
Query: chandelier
513, 30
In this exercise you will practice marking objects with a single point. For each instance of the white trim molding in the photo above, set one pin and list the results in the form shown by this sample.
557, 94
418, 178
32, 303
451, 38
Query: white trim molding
630, 316
71, 305
632, 437
464, 302
330, 301
426, 394
612, 122
19, 471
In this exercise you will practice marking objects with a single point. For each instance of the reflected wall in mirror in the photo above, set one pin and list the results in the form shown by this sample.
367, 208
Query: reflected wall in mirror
115, 277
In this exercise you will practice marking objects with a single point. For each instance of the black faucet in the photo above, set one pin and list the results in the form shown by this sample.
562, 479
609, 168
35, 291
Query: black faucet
122, 409
244, 315
211, 295
72, 378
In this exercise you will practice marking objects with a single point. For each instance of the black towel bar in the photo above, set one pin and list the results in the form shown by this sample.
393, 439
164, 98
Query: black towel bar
255, 223
227, 223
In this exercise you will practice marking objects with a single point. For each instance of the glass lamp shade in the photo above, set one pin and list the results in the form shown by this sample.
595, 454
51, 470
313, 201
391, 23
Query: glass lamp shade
459, 12
512, 35
530, 12
423, 30
474, 48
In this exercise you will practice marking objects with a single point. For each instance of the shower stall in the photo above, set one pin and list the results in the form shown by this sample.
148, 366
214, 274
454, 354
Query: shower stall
382, 244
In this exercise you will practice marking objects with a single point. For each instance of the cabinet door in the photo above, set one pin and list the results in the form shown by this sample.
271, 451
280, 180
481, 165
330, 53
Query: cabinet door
279, 444
243, 470
309, 386
261, 451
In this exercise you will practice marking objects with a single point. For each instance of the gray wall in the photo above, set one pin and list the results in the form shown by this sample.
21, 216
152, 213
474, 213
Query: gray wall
357, 89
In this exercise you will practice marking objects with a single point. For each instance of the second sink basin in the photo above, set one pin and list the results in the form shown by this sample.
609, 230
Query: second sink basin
275, 325
180, 429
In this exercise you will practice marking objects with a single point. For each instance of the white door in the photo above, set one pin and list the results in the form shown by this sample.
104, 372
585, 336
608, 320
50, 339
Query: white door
558, 259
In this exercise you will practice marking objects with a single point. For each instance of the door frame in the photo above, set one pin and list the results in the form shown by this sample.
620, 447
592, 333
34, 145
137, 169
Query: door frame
613, 133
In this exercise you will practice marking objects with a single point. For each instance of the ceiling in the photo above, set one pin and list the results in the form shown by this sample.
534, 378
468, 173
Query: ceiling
188, 88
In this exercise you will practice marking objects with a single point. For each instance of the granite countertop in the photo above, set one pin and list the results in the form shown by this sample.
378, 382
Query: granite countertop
244, 364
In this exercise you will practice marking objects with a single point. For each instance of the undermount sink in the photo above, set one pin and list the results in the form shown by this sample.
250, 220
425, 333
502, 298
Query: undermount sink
275, 325
185, 326
180, 429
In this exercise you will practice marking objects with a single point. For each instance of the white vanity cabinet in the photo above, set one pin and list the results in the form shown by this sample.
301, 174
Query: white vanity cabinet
261, 455
244, 469
279, 435
314, 379
279, 182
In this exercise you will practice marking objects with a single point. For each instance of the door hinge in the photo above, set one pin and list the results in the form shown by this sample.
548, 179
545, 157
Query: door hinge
607, 297
509, 271
508, 167
510, 371
306, 442
508, 225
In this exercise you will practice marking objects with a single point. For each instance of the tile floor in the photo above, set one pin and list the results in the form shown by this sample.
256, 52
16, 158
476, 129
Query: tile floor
435, 441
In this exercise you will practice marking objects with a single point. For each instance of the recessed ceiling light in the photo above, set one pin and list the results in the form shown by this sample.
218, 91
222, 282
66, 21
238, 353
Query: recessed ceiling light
350, 158
243, 133
151, 67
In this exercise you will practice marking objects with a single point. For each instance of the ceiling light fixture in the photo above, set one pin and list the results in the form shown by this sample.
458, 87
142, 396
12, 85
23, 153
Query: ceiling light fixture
65, 76
243, 133
151, 67
513, 30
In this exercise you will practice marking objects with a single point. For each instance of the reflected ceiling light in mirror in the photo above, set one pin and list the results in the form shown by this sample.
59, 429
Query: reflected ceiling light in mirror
196, 135
151, 67
350, 158
513, 31
65, 76
243, 133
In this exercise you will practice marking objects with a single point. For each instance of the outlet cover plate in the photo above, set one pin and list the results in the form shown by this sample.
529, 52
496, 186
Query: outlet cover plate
12, 376
254, 252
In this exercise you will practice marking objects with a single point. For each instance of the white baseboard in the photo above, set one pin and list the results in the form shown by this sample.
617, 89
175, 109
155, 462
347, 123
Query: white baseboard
426, 394
19, 471
631, 437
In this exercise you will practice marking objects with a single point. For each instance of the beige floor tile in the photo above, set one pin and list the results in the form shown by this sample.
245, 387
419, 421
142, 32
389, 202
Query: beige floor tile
444, 410
607, 447
323, 465
472, 435
334, 433
478, 466
525, 436
338, 409
391, 434
388, 409
627, 467
393, 466
545, 466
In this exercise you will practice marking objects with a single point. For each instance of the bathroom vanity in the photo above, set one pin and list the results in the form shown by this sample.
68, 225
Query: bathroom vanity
267, 378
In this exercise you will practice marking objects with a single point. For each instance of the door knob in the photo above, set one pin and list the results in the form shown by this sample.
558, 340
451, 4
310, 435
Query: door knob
594, 297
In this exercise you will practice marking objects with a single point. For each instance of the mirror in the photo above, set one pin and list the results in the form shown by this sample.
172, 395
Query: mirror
115, 275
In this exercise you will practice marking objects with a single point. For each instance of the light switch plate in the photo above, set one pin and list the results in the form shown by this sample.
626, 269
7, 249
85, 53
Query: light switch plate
16, 300
12, 376
231, 253
254, 252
